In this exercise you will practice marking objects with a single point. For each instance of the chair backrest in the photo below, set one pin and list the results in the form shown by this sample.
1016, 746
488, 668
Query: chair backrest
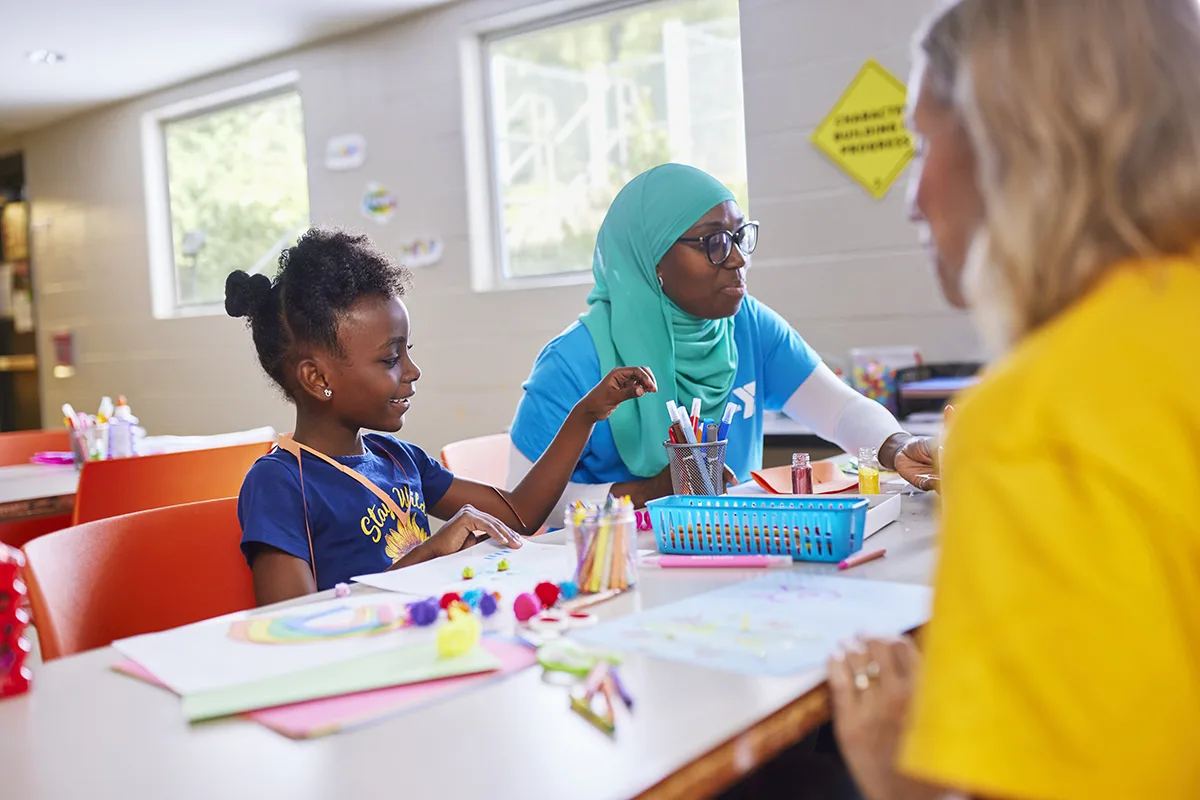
125, 485
93, 584
483, 459
18, 447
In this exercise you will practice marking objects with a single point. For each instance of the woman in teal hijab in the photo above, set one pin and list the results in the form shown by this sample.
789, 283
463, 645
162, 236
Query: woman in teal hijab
670, 270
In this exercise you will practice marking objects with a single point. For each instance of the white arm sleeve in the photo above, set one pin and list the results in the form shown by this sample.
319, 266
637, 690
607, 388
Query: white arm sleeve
838, 414
518, 468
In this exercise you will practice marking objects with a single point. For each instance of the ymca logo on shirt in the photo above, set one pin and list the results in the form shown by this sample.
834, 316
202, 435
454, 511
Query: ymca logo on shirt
406, 533
746, 395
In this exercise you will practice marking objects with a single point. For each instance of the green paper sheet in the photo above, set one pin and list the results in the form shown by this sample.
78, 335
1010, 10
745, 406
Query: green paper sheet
404, 665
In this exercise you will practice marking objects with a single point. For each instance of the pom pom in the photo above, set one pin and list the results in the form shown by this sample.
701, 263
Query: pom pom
424, 612
502, 566
341, 590
472, 597
488, 605
457, 609
458, 636
525, 606
546, 592
245, 294
568, 590
468, 573
448, 598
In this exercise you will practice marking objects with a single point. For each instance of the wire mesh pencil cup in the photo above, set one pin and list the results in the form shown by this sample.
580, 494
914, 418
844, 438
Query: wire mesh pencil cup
697, 469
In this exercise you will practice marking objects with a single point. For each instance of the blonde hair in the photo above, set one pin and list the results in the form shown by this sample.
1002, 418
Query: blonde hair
1085, 120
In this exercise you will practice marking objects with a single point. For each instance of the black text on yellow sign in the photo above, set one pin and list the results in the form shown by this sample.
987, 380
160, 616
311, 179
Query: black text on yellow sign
864, 134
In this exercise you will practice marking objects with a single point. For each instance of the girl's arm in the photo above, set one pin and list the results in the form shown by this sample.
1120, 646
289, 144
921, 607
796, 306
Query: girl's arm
280, 576
527, 506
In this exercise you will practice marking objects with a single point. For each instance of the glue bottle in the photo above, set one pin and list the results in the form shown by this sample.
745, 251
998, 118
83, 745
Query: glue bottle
802, 478
120, 435
868, 470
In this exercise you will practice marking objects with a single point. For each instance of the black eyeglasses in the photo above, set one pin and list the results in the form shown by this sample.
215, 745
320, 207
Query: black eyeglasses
718, 246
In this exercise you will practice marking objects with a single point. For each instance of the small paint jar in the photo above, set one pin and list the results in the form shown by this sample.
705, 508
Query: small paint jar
868, 470
802, 479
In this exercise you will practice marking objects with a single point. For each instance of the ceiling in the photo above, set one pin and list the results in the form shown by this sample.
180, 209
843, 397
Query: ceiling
116, 49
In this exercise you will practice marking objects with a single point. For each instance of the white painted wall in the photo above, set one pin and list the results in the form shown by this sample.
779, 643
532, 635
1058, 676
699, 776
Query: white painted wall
841, 267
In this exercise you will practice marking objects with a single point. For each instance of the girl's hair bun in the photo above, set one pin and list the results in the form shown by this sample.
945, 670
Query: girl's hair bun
245, 294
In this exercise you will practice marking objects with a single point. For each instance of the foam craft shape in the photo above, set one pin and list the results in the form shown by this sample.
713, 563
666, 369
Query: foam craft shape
827, 479
411, 664
314, 718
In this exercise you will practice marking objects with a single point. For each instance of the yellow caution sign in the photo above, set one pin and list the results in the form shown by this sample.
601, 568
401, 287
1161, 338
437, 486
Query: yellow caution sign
864, 134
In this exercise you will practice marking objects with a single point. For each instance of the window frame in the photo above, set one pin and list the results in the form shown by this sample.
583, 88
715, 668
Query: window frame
163, 273
484, 195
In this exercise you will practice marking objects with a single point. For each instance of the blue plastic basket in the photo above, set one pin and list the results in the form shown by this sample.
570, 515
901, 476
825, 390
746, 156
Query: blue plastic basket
807, 529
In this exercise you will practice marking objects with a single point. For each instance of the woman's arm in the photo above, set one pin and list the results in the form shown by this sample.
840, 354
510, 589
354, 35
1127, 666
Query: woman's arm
525, 507
837, 413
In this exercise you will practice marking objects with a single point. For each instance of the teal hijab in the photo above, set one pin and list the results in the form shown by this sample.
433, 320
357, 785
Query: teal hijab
633, 323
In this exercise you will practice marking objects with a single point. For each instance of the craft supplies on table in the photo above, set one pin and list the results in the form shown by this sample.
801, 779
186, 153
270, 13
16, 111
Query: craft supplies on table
873, 371
602, 542
807, 529
802, 474
868, 470
781, 623
861, 558
718, 562
252, 660
314, 718
509, 571
826, 476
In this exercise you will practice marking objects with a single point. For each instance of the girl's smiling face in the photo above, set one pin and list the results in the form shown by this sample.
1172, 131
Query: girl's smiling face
372, 380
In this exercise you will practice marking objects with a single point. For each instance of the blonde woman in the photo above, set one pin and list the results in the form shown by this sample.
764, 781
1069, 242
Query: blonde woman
1058, 184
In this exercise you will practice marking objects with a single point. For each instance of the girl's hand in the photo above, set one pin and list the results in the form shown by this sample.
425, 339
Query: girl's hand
623, 383
467, 528
870, 683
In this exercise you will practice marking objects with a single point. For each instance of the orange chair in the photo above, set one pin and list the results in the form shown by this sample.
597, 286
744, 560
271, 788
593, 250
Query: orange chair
484, 459
125, 485
18, 447
146, 572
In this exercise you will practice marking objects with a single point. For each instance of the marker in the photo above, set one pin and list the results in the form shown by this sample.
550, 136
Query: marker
710, 431
726, 421
861, 558
733, 562
672, 409
696, 413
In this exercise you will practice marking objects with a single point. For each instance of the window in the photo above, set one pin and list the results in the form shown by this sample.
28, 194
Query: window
235, 176
578, 108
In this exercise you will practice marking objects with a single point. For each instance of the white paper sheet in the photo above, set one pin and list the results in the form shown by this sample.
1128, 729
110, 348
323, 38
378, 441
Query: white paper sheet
779, 624
203, 656
528, 565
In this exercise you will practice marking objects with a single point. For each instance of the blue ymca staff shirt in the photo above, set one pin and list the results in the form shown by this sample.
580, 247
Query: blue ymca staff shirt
772, 363
353, 531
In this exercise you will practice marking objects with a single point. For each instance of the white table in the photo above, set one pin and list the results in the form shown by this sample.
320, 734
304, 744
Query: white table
34, 490
84, 731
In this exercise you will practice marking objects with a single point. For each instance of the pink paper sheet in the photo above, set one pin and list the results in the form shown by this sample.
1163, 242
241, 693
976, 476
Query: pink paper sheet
332, 714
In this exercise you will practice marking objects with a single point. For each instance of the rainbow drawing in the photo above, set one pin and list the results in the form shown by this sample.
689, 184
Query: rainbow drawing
341, 622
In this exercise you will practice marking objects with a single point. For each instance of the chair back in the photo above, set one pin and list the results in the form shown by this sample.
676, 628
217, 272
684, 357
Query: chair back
92, 584
17, 447
483, 459
125, 485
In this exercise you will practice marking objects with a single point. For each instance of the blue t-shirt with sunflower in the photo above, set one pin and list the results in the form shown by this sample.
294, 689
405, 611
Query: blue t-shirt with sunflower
353, 531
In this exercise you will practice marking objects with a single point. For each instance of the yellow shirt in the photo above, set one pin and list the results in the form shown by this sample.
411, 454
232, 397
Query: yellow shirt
1062, 659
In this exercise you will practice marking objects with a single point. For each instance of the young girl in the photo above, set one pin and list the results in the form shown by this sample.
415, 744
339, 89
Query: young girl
332, 502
